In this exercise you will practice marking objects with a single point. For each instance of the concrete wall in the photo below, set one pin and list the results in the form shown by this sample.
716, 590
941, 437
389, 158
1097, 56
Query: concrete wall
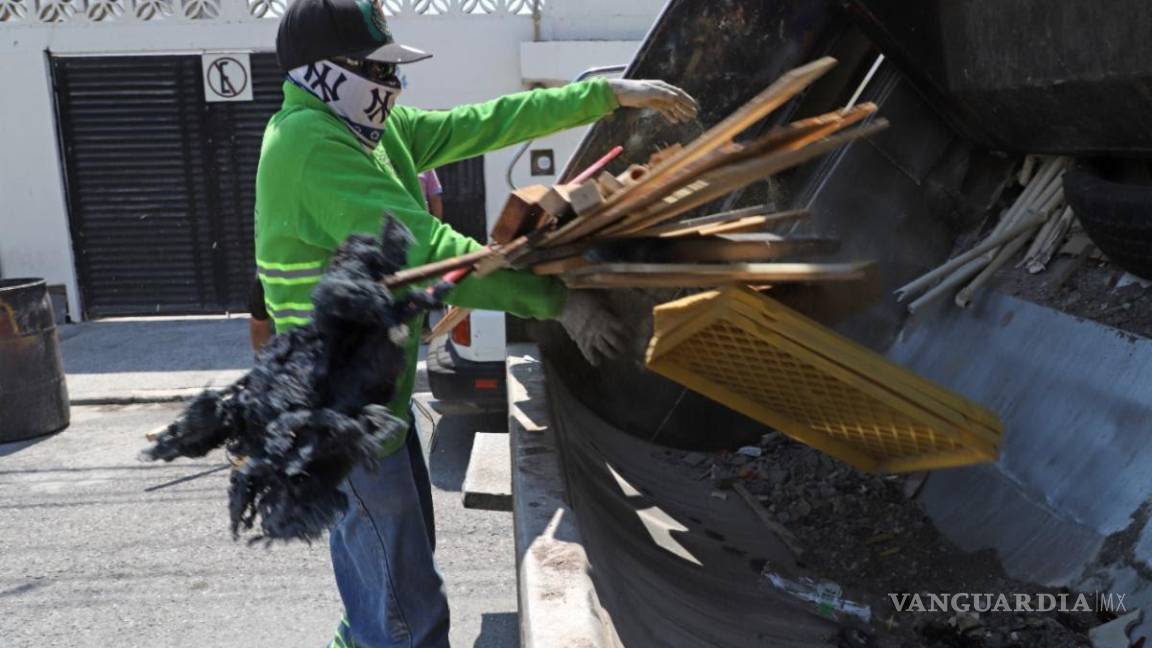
477, 57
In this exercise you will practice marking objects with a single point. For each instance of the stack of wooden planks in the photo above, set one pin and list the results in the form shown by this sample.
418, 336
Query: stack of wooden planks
605, 231
628, 230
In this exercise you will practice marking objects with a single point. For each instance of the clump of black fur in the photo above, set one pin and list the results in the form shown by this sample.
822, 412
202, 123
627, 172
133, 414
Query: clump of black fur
314, 406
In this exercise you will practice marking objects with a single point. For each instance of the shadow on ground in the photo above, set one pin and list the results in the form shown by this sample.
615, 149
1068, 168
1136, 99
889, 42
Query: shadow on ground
500, 630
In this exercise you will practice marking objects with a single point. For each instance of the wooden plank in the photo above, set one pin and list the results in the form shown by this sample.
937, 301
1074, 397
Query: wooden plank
695, 275
556, 201
665, 154
752, 224
793, 137
453, 316
711, 219
778, 93
609, 185
799, 134
434, 270
521, 213
788, 138
712, 249
544, 255
772, 221
586, 198
725, 180
560, 266
634, 175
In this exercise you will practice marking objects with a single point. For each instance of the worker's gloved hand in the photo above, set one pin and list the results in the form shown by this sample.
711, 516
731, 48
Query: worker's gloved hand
592, 326
665, 98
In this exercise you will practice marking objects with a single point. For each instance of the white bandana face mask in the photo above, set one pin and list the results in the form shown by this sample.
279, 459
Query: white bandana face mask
363, 104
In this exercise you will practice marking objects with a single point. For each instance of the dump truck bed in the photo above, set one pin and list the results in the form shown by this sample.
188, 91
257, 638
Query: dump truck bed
1064, 505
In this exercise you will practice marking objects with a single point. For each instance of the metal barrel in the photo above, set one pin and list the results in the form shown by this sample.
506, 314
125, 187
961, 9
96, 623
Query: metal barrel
33, 394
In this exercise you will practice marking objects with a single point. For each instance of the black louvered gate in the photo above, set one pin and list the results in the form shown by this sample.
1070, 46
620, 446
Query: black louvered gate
160, 183
464, 197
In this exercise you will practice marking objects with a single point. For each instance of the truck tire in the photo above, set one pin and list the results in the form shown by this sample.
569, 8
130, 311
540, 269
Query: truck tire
1116, 215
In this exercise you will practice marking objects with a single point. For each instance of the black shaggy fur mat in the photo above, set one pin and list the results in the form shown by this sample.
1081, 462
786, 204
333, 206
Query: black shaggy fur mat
314, 405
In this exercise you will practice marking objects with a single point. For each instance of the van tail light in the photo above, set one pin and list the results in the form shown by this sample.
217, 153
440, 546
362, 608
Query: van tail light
462, 332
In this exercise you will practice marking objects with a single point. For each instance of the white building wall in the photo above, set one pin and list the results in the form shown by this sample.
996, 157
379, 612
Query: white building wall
599, 19
477, 57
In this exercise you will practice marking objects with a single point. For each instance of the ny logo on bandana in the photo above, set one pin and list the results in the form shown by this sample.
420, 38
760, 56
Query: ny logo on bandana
319, 86
361, 103
377, 111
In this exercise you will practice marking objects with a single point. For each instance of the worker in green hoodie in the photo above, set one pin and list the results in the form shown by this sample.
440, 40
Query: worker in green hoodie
337, 159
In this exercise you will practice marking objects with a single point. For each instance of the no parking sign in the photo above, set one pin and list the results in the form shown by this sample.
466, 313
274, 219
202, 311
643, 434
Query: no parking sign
227, 76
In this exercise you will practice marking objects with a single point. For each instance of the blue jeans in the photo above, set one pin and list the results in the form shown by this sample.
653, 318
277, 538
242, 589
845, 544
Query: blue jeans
382, 555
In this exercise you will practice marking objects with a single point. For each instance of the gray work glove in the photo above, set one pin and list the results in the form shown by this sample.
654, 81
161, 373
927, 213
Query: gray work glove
665, 98
595, 329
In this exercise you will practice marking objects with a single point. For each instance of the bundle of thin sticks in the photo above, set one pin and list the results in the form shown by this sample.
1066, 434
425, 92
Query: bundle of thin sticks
1038, 215
625, 231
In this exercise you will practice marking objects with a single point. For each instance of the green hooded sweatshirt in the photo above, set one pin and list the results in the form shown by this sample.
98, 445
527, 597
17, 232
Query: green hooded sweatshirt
316, 185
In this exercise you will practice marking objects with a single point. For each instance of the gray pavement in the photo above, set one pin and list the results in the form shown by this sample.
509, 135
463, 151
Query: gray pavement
150, 359
155, 359
90, 559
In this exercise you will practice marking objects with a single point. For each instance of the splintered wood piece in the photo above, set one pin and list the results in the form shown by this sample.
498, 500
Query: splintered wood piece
739, 226
789, 138
544, 255
725, 180
698, 275
521, 214
556, 201
453, 316
560, 266
665, 154
716, 249
801, 133
710, 219
762, 105
771, 220
633, 175
437, 268
782, 90
586, 198
609, 185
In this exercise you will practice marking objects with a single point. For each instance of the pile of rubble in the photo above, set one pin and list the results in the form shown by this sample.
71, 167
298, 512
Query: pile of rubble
866, 534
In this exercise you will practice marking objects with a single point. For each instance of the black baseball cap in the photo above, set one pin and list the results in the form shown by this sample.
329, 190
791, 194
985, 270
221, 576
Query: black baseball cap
313, 30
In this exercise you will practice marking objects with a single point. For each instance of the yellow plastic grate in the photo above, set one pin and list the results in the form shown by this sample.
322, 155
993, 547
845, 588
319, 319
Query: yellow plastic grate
768, 362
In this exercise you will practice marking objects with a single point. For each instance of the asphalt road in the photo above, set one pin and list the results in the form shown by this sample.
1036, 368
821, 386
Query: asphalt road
89, 559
